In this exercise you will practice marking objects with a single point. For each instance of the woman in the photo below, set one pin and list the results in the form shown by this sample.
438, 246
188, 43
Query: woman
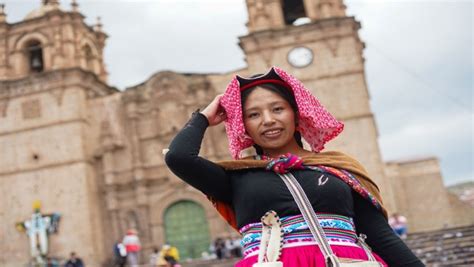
272, 112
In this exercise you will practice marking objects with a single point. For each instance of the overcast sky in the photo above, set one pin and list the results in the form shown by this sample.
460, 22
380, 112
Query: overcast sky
418, 54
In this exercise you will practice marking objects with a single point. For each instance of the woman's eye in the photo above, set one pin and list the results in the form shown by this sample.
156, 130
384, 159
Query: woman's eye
252, 115
278, 109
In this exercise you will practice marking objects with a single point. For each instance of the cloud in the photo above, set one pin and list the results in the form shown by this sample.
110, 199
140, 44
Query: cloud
184, 36
430, 134
449, 137
419, 72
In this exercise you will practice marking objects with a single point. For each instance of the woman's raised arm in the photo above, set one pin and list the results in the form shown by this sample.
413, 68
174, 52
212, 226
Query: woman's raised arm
183, 157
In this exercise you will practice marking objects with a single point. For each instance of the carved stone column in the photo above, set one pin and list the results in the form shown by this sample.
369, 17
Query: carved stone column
135, 141
107, 146
110, 183
141, 196
3, 44
113, 210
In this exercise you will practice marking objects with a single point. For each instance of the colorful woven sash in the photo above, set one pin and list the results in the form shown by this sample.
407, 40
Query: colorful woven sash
286, 163
339, 230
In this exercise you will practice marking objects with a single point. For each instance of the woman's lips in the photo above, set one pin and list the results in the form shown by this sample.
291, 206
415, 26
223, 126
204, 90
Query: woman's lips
274, 133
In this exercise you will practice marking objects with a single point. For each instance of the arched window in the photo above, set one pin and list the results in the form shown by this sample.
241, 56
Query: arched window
187, 229
89, 57
35, 56
293, 10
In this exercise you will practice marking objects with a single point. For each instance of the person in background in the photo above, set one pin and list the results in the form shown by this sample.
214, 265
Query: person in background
50, 262
161, 262
228, 247
212, 251
219, 247
74, 261
120, 254
133, 247
171, 255
399, 224
154, 257
236, 251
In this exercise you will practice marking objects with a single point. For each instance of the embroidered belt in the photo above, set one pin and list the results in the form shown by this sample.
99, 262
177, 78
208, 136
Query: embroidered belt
339, 230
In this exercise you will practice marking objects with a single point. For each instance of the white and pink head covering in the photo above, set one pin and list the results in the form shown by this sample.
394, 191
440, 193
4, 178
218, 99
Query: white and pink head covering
316, 125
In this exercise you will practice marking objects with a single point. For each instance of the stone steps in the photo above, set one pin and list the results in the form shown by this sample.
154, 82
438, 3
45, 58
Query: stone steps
446, 247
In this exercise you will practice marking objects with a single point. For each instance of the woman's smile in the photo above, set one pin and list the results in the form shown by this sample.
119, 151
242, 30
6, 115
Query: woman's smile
272, 133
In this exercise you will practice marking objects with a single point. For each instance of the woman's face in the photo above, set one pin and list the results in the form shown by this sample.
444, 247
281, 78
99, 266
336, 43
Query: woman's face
270, 121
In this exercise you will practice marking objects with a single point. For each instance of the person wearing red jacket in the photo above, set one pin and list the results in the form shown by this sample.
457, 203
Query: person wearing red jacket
133, 246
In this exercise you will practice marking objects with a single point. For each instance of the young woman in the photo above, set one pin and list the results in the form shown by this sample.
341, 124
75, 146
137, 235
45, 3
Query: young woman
272, 112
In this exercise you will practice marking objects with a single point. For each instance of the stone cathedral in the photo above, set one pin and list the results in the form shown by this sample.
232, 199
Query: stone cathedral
93, 153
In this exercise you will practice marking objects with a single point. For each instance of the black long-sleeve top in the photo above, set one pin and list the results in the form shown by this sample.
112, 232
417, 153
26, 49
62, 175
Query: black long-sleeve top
252, 192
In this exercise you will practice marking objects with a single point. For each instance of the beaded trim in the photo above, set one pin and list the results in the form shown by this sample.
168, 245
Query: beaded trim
337, 228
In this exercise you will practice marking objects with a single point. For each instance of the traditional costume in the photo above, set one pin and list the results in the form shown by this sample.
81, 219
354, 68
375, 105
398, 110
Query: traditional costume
340, 190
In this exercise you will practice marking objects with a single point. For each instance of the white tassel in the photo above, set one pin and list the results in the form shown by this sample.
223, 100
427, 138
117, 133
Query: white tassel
271, 241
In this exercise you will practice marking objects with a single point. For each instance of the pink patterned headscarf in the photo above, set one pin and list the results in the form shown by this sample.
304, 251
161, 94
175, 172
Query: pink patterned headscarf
316, 125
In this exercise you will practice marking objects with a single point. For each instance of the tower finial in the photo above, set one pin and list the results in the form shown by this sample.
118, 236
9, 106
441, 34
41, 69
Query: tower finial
75, 6
98, 25
3, 16
53, 3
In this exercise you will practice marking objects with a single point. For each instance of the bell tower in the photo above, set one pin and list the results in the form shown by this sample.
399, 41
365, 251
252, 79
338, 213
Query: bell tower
274, 14
52, 74
318, 43
50, 38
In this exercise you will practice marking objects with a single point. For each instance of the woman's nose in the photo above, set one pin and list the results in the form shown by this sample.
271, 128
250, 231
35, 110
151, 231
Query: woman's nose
268, 118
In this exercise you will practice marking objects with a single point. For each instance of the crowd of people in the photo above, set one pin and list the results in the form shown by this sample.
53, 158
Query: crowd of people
126, 253
73, 261
127, 250
223, 248
168, 256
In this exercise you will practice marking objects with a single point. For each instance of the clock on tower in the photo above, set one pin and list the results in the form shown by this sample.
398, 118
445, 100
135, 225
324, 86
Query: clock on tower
300, 57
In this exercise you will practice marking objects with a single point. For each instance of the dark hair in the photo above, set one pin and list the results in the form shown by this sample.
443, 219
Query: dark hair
281, 91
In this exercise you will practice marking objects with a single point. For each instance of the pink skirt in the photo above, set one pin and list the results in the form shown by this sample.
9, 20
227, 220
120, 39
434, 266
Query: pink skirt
311, 256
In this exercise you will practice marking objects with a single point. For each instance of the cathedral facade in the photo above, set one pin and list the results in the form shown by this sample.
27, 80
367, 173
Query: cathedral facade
93, 153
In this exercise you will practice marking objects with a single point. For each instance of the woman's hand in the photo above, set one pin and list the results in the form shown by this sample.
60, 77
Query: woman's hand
214, 112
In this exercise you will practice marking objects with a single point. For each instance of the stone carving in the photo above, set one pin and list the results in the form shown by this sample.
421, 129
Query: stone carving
58, 95
166, 83
333, 45
31, 109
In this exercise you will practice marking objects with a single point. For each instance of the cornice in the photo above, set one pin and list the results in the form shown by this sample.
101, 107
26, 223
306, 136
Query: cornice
369, 115
47, 17
62, 164
42, 126
316, 25
54, 80
167, 84
275, 38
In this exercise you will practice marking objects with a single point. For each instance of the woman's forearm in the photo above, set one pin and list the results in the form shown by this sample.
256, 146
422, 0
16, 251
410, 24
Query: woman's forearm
184, 161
